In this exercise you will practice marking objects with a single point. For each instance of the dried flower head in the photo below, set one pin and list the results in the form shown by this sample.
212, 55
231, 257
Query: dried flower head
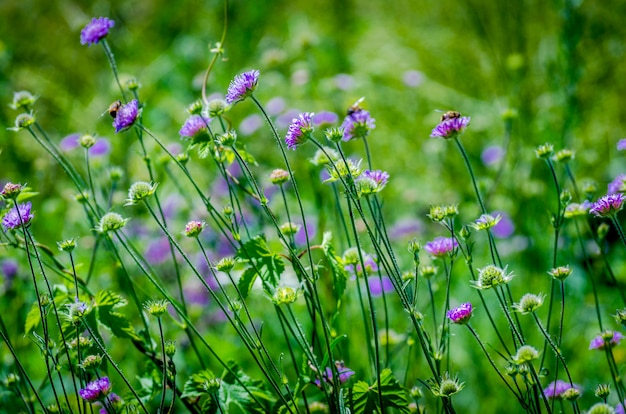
95, 30
441, 246
126, 116
300, 130
18, 216
491, 276
242, 86
529, 303
460, 315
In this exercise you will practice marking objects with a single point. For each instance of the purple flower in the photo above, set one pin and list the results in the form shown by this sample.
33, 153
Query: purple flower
460, 315
250, 124
300, 130
450, 127
405, 227
275, 106
441, 246
619, 408
505, 227
492, 155
126, 116
17, 217
621, 144
343, 372
9, 268
608, 205
96, 390
606, 338
194, 126
344, 81
555, 389
378, 285
242, 86
96, 30
69, 142
357, 125
101, 147
158, 251
412, 78
371, 182
324, 117
370, 266
618, 185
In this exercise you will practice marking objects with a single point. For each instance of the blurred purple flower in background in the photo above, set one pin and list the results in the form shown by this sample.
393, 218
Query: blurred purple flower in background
250, 124
505, 227
405, 227
325, 118
413, 78
378, 286
621, 144
618, 185
100, 148
158, 251
492, 155
344, 81
275, 106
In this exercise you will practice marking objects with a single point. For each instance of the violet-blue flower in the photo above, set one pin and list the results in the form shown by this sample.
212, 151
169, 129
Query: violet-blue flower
441, 246
556, 389
126, 116
95, 30
450, 127
18, 216
608, 205
357, 125
242, 86
300, 130
379, 285
460, 315
621, 144
610, 338
194, 126
324, 118
96, 390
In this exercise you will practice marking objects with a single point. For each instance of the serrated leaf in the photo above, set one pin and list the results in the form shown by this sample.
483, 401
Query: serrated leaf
246, 280
109, 298
365, 397
340, 275
33, 319
118, 324
269, 264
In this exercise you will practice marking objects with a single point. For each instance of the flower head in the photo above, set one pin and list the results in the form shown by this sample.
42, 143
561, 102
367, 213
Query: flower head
441, 246
343, 372
577, 209
242, 86
194, 228
446, 387
557, 389
618, 185
560, 273
344, 170
621, 144
529, 303
195, 127
139, 191
601, 408
111, 222
18, 216
279, 176
525, 353
608, 205
450, 126
486, 221
126, 116
96, 390
371, 182
300, 130
357, 125
11, 191
492, 276
460, 315
22, 100
606, 338
95, 30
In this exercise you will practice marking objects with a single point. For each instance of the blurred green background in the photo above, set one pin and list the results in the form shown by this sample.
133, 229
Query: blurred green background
557, 66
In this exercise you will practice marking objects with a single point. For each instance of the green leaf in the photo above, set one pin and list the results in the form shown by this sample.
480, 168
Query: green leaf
33, 319
340, 276
106, 302
365, 397
269, 264
246, 280
109, 298
253, 398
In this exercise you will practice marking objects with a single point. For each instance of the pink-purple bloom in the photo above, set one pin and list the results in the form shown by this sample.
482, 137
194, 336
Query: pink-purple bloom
606, 338
450, 127
95, 30
194, 126
621, 144
324, 118
619, 408
505, 227
441, 246
556, 389
618, 185
242, 86
101, 147
300, 130
379, 285
126, 116
343, 372
96, 390
460, 315
492, 155
18, 216
357, 125
608, 205
377, 180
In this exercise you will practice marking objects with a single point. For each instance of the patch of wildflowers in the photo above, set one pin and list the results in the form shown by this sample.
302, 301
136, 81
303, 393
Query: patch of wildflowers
606, 338
300, 130
95, 30
96, 390
242, 86
357, 125
491, 276
608, 205
441, 246
450, 127
18, 216
126, 116
460, 315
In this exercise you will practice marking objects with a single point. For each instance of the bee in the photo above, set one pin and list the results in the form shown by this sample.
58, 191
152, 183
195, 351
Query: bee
450, 115
355, 107
113, 108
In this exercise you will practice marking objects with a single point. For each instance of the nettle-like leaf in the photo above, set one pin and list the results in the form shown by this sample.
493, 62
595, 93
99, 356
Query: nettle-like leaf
265, 264
106, 303
365, 397
33, 319
340, 275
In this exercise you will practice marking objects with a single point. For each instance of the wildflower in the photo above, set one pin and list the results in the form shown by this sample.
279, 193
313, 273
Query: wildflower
441, 246
379, 285
608, 205
544, 151
317, 407
558, 389
344, 169
22, 121
194, 228
377, 178
170, 348
620, 316
242, 86
505, 227
560, 273
450, 126
225, 264
250, 124
300, 130
96, 390
589, 188
334, 134
577, 209
289, 229
95, 30
139, 191
9, 268
601, 408
603, 391
67, 245
621, 144
91, 362
486, 221
618, 185
22, 100
11, 191
572, 393
357, 125
352, 260
279, 176
126, 116
111, 222
428, 271
564, 155
447, 386
491, 276
327, 376
216, 107
227, 139
133, 84
525, 354
324, 118
325, 156
529, 303
156, 308
460, 315
19, 215
412, 78
492, 155
606, 338
196, 128
284, 296
87, 141
196, 107
619, 408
